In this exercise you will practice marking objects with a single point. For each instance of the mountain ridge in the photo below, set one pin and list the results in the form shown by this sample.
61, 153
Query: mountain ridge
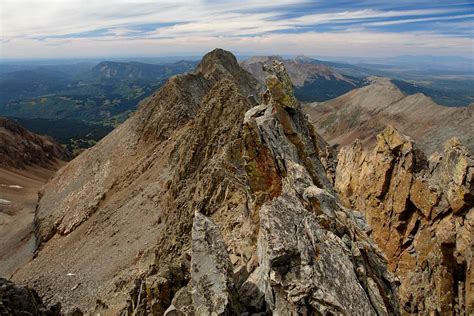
21, 148
206, 143
313, 80
364, 112
139, 70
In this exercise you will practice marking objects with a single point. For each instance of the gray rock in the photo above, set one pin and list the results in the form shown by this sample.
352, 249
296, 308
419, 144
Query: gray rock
182, 303
213, 289
314, 256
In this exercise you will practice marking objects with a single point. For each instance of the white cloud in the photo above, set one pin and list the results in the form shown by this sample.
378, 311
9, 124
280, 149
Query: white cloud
374, 44
404, 21
312, 19
199, 25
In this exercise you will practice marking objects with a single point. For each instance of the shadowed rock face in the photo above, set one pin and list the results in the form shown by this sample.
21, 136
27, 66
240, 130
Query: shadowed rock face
421, 212
211, 198
20, 148
19, 300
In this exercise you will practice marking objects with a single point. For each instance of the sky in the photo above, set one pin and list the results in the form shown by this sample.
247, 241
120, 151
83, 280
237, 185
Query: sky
365, 28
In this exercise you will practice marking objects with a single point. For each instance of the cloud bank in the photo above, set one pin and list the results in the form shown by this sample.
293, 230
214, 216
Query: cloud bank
51, 29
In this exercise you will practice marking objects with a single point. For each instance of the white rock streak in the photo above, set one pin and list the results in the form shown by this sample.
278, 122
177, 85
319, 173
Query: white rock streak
11, 186
4, 202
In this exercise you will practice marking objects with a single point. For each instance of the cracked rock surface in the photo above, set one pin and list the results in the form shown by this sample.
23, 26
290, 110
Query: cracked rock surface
421, 212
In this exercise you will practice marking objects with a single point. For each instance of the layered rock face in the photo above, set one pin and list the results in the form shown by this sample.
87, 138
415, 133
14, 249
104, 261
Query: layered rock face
422, 215
20, 148
209, 200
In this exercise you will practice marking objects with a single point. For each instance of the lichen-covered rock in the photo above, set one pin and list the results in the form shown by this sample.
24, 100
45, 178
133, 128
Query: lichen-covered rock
420, 213
182, 303
213, 288
313, 254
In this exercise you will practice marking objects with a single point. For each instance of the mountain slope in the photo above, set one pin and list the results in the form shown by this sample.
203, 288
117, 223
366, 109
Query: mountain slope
20, 148
313, 80
364, 112
137, 70
27, 161
207, 179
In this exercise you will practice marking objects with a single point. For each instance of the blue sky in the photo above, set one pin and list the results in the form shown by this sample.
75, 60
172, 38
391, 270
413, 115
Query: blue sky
366, 28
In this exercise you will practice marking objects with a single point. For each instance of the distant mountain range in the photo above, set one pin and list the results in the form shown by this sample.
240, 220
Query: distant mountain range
97, 96
137, 70
455, 65
313, 80
89, 98
318, 80
364, 112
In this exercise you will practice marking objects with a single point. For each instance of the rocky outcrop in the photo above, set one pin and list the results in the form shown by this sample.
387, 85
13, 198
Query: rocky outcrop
306, 239
314, 80
213, 288
212, 198
421, 212
20, 148
19, 300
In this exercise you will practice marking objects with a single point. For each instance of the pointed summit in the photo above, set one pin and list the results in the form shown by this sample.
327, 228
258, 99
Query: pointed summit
219, 64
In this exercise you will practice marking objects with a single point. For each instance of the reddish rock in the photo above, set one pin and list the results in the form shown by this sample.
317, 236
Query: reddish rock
420, 212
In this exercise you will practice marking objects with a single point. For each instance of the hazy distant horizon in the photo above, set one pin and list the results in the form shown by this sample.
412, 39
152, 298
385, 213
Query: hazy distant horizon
58, 29
239, 56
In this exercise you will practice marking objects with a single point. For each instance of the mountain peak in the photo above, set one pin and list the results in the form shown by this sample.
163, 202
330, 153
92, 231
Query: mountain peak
304, 59
217, 62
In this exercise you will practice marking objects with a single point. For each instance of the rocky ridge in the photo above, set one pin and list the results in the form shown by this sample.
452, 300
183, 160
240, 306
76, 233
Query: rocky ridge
421, 212
312, 79
20, 148
210, 199
364, 112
